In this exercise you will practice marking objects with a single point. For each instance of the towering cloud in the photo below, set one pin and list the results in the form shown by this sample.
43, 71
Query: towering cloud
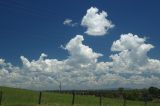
80, 53
96, 22
133, 51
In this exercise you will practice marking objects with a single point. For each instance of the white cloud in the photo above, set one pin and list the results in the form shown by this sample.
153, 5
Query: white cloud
130, 67
80, 53
130, 41
132, 52
97, 23
69, 22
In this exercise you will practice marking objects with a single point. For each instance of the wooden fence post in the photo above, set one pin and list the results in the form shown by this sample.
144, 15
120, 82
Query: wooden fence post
40, 97
100, 99
145, 101
1, 94
73, 98
124, 100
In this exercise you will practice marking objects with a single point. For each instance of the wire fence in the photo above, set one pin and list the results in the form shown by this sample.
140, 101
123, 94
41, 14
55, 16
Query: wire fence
28, 98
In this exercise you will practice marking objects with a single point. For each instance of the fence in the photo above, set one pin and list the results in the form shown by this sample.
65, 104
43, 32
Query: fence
51, 98
1, 97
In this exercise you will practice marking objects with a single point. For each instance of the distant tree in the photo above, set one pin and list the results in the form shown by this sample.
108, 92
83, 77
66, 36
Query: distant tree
155, 92
121, 91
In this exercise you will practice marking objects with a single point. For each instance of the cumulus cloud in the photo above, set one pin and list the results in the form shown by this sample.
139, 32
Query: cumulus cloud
69, 22
130, 67
132, 51
96, 22
80, 53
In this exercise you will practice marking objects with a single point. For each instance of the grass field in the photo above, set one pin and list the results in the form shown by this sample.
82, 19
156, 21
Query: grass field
20, 97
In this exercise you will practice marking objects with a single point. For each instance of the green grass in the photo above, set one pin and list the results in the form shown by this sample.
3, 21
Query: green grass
20, 97
13, 96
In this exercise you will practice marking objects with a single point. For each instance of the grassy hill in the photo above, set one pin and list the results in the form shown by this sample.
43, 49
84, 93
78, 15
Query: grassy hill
22, 97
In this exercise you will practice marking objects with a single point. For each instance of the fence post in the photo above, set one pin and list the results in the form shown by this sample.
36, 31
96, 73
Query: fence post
40, 97
73, 98
145, 101
1, 94
100, 100
124, 100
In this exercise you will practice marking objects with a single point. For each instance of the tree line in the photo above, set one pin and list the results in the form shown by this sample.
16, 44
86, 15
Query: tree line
150, 94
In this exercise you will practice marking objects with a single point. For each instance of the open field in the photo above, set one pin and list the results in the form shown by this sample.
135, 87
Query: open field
20, 97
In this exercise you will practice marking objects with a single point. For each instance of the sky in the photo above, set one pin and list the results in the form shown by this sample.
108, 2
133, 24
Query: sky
87, 44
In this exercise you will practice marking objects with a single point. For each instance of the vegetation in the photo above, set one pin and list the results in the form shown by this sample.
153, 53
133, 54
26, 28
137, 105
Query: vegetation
20, 97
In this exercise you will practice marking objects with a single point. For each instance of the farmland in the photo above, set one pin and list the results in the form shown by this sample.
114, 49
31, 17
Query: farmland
20, 97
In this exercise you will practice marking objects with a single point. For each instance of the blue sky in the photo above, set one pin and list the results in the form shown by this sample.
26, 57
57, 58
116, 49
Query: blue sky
31, 27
